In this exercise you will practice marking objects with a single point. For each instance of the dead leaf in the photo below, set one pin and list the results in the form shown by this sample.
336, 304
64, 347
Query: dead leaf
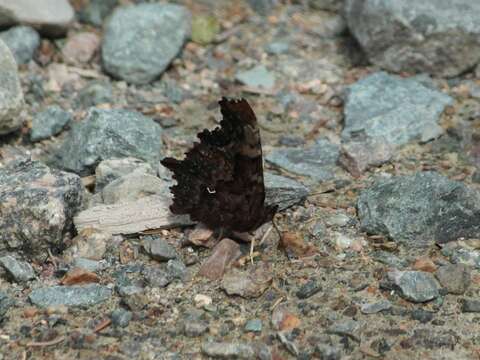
79, 276
294, 245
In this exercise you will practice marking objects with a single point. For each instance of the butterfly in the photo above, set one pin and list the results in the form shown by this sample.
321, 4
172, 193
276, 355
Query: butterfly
220, 180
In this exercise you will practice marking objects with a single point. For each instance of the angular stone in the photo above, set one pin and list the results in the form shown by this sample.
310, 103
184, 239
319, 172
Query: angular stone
283, 191
49, 122
158, 248
223, 255
80, 47
415, 286
440, 37
76, 295
96, 11
38, 204
373, 308
420, 209
22, 41
111, 169
358, 156
108, 134
248, 284
11, 95
257, 77
317, 161
392, 108
89, 244
140, 41
455, 278
132, 187
20, 271
49, 17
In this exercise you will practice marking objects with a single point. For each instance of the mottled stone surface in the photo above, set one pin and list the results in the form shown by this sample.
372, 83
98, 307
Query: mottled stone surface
49, 17
11, 95
140, 41
420, 209
76, 295
108, 134
37, 206
440, 37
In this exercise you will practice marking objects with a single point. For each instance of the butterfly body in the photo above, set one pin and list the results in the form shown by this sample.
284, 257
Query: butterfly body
220, 181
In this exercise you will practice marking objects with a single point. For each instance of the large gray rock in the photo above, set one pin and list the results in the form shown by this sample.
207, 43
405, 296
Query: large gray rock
394, 109
283, 191
140, 41
50, 17
317, 161
37, 206
11, 95
77, 295
22, 41
420, 209
109, 134
440, 37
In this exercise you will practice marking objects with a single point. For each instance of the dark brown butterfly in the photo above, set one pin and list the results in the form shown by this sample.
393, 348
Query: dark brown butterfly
220, 181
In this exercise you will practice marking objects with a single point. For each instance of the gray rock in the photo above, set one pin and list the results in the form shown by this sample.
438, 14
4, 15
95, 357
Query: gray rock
11, 95
49, 122
277, 47
455, 278
158, 248
157, 277
227, 350
440, 37
108, 134
470, 306
49, 17
140, 41
132, 187
262, 7
127, 287
415, 286
96, 11
176, 269
282, 191
465, 257
88, 264
76, 295
95, 93
301, 70
421, 315
391, 108
328, 5
257, 77
419, 209
348, 328
317, 161
20, 271
308, 289
112, 169
22, 41
38, 205
376, 307
195, 328
254, 325
358, 156
6, 302
121, 317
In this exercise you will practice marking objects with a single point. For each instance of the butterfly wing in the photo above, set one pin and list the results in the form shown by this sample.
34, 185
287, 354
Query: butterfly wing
220, 181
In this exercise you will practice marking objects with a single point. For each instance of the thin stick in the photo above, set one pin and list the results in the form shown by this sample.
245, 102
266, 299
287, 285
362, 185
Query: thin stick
47, 343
